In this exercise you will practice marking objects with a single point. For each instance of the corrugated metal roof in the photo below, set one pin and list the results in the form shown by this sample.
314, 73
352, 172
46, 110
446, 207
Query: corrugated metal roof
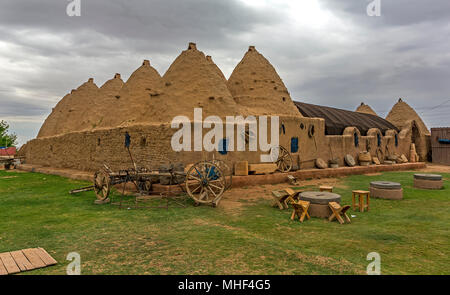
336, 120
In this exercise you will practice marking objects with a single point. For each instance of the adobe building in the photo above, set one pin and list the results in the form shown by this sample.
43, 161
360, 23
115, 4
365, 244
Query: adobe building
366, 109
86, 128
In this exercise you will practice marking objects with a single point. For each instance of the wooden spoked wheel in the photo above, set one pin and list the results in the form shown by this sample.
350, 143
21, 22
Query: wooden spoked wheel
102, 185
205, 183
284, 160
228, 172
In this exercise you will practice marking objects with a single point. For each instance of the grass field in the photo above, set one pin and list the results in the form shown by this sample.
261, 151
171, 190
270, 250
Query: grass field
412, 236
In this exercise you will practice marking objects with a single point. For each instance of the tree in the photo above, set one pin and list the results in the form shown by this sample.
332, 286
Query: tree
6, 139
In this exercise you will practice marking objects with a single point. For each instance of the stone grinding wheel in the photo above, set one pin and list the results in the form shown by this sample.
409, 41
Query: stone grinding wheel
320, 198
349, 160
435, 177
386, 185
321, 164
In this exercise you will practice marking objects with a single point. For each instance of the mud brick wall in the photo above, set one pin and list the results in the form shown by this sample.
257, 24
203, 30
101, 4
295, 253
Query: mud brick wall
151, 146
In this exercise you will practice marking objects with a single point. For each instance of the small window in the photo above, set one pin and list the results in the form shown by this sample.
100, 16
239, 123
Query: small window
294, 144
143, 142
302, 126
282, 129
396, 139
311, 131
356, 139
223, 146
99, 141
378, 139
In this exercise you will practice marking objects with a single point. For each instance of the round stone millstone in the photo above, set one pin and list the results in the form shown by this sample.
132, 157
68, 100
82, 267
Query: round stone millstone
388, 194
386, 185
319, 211
428, 184
320, 198
349, 160
321, 164
436, 177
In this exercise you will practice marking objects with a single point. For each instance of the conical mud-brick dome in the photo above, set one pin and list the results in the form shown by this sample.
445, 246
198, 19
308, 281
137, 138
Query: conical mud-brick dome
56, 117
138, 99
105, 102
401, 113
70, 113
366, 109
256, 87
192, 82
215, 68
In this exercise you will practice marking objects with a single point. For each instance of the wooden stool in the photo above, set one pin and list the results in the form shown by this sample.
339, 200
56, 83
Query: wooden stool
325, 188
293, 196
339, 212
300, 210
279, 199
360, 205
284, 197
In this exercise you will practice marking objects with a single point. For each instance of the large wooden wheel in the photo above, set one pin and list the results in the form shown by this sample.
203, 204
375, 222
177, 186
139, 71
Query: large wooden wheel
102, 185
228, 172
205, 183
284, 160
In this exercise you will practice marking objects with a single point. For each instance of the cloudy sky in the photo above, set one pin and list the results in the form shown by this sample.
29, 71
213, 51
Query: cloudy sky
328, 52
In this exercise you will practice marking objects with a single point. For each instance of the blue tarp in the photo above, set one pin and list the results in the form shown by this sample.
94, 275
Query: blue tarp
446, 141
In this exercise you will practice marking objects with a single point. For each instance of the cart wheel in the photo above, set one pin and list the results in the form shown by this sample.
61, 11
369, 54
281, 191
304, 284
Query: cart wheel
227, 171
205, 183
102, 185
284, 160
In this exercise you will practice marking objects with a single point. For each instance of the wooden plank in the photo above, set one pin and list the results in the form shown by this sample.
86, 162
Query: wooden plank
33, 258
48, 260
21, 261
262, 168
9, 263
3, 270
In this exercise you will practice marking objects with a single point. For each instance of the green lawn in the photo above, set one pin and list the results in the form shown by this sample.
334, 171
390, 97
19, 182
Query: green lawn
412, 236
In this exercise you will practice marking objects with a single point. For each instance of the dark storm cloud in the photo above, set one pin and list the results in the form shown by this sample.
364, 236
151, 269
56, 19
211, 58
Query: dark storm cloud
338, 58
149, 25
393, 12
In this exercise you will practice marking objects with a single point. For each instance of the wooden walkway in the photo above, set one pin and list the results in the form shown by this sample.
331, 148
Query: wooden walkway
24, 260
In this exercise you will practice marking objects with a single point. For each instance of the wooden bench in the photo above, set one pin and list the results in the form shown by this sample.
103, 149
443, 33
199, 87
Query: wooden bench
339, 212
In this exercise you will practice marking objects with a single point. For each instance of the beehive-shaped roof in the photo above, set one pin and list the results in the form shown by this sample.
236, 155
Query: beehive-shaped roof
366, 109
136, 97
70, 113
105, 102
401, 113
192, 82
55, 117
112, 87
215, 68
257, 87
